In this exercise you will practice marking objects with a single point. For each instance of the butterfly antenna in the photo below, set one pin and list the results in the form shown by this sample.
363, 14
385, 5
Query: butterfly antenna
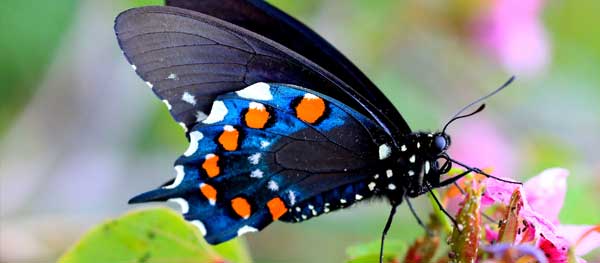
386, 229
479, 171
458, 114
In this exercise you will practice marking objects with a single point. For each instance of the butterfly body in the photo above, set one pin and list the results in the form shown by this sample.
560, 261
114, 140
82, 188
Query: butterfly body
273, 135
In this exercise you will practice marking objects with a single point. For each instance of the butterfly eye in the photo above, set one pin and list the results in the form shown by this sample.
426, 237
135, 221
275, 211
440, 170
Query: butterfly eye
440, 142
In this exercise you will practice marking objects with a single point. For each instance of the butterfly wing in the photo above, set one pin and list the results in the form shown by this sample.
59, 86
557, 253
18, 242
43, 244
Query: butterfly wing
189, 58
269, 152
264, 19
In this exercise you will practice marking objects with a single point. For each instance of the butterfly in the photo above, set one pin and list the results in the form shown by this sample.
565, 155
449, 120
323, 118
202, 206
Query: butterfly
281, 126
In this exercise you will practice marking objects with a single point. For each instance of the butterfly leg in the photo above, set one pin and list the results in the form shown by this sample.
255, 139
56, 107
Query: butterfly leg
442, 207
419, 221
386, 229
454, 179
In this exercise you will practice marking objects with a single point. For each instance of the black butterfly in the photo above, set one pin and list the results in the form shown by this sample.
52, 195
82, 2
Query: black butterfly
281, 125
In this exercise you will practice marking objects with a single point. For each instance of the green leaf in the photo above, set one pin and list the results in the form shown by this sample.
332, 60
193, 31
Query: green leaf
147, 2
151, 236
369, 252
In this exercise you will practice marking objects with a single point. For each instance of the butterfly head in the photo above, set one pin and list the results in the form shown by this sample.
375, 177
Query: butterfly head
425, 162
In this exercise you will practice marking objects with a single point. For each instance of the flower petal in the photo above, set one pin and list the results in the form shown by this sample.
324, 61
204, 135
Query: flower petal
583, 238
546, 192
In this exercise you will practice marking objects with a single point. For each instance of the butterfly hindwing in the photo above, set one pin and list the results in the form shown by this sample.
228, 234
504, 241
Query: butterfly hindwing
272, 152
189, 58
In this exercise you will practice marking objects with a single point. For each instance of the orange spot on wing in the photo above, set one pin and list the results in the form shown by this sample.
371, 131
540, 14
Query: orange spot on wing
257, 116
209, 192
229, 138
276, 208
211, 165
310, 108
241, 206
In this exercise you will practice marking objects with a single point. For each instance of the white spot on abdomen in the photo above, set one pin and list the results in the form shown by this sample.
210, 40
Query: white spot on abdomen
217, 113
195, 137
256, 91
384, 151
178, 177
189, 98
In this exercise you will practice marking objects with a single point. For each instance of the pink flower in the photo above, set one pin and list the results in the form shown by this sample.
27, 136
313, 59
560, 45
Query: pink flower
512, 31
542, 198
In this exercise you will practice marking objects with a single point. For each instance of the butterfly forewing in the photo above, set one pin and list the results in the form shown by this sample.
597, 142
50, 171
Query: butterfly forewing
189, 58
269, 152
260, 17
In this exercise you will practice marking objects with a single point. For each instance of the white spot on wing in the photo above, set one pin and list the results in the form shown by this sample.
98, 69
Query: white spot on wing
255, 158
384, 151
178, 177
166, 102
273, 186
358, 197
343, 201
189, 98
228, 128
427, 167
172, 76
183, 126
412, 159
392, 186
310, 96
292, 197
389, 173
149, 84
200, 226
183, 204
195, 137
133, 67
264, 144
256, 173
246, 229
200, 116
403, 148
256, 106
217, 112
256, 91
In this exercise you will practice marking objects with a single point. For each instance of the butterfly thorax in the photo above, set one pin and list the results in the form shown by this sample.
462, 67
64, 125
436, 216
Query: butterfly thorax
416, 168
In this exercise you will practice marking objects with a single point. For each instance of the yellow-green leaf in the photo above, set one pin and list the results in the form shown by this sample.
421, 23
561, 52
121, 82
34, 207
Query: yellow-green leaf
151, 236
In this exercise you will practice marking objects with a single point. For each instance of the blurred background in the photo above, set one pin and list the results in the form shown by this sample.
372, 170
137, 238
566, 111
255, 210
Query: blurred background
80, 133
